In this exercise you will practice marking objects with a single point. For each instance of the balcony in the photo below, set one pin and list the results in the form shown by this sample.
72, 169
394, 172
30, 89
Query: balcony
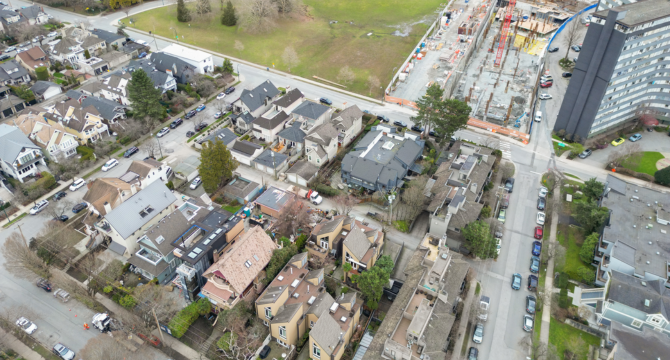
316, 250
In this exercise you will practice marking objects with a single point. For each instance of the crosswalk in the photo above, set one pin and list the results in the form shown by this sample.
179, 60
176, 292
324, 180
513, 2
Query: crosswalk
505, 147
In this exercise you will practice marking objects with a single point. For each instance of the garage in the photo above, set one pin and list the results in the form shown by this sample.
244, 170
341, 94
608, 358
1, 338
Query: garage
302, 172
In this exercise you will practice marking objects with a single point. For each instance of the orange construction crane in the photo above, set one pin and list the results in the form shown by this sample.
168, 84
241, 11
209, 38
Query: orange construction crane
503, 32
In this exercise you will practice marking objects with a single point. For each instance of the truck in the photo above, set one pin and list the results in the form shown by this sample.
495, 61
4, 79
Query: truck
310, 195
101, 321
484, 302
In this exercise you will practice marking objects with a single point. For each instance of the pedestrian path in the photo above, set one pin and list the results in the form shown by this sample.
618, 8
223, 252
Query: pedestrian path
15, 344
505, 147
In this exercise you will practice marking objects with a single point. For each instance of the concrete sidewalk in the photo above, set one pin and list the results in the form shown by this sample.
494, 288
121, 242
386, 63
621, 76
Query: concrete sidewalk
15, 344
549, 274
465, 318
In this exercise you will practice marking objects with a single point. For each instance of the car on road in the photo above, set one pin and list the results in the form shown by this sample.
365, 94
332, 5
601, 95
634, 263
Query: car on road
190, 114
4, 57
541, 203
516, 281
543, 192
315, 198
635, 137
417, 128
566, 74
546, 85
552, 50
175, 123
229, 90
473, 353
142, 55
62, 218
539, 232
534, 264
499, 232
586, 153
530, 304
142, 42
501, 215
545, 78
504, 203
509, 184
109, 164
220, 96
190, 133
26, 325
326, 101
545, 96
39, 207
200, 126
532, 282
540, 218
218, 115
402, 124
537, 248
79, 207
538, 116
498, 245
10, 49
163, 132
528, 323
576, 48
618, 141
383, 118
201, 108
195, 183
130, 152
63, 352
59, 195
574, 60
77, 184
478, 336
52, 34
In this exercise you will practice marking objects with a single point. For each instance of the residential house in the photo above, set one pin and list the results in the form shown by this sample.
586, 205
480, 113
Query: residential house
126, 223
34, 14
85, 122
361, 248
273, 200
11, 73
225, 135
457, 190
202, 61
11, 19
349, 123
145, 172
292, 137
271, 162
241, 190
67, 50
267, 126
289, 101
258, 100
77, 95
44, 90
94, 45
382, 159
114, 58
626, 244
182, 71
302, 172
240, 269
164, 81
326, 237
112, 40
106, 194
93, 65
112, 87
134, 49
321, 144
630, 343
245, 151
11, 104
110, 111
242, 121
51, 137
32, 59
19, 157
311, 114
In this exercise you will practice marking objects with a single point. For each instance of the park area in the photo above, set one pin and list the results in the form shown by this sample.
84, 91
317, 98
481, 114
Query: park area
372, 37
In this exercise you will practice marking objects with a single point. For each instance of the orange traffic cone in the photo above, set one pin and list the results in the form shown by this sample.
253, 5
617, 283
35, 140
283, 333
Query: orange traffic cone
86, 327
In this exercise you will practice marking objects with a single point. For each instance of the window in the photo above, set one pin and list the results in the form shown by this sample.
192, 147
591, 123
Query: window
656, 320
268, 313
282, 332
324, 243
282, 343
311, 324
636, 323
318, 161
316, 351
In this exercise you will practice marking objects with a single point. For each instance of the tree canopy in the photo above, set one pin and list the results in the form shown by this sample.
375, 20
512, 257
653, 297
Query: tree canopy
371, 282
479, 240
590, 215
216, 165
663, 176
280, 258
229, 18
444, 116
593, 188
586, 252
183, 13
144, 96
227, 67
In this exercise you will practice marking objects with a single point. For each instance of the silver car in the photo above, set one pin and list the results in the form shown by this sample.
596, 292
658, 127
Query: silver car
478, 337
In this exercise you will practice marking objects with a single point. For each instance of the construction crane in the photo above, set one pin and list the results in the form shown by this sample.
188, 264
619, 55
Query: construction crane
503, 32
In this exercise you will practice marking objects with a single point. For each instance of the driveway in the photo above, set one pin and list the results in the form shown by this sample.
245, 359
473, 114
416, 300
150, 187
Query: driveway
651, 141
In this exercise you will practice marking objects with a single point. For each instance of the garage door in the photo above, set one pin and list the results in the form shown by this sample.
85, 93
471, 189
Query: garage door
291, 178
242, 159
302, 181
260, 167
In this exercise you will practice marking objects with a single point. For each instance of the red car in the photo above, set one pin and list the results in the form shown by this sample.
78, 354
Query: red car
546, 85
538, 232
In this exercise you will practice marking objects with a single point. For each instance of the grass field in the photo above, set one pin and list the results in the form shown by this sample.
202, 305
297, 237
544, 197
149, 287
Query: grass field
646, 162
561, 335
573, 245
323, 48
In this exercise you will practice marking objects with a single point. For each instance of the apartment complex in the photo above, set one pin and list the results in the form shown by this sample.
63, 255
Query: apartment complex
621, 71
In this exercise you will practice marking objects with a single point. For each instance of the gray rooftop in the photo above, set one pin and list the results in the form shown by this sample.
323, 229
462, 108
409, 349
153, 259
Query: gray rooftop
40, 87
11, 70
245, 147
322, 303
347, 116
326, 333
633, 292
310, 110
266, 159
304, 169
74, 94
289, 98
255, 98
274, 198
287, 313
293, 133
162, 61
638, 13
108, 109
357, 242
12, 142
225, 135
634, 344
169, 228
32, 12
107, 36
273, 122
245, 117
240, 187
140, 208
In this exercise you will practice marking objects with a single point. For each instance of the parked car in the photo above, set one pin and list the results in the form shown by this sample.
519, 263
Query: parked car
545, 78
545, 96
543, 192
530, 304
546, 85
174, 124
538, 116
26, 325
499, 232
586, 153
130, 152
567, 74
63, 352
5, 57
43, 284
142, 55
516, 281
402, 124
417, 128
574, 60
528, 323
534, 264
383, 118
190, 114
618, 141
39, 207
200, 126
195, 183
576, 48
218, 115
509, 184
498, 245
201, 108
10, 49
62, 218
220, 96
635, 137
552, 50
540, 218
163, 132
473, 353
79, 207
326, 101
190, 133
478, 336
59, 195
77, 184
532, 283
229, 90
539, 232
541, 204
501, 215
537, 248
264, 352
109, 164
52, 34
504, 204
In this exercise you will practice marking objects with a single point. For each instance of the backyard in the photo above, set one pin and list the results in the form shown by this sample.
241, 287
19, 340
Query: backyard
334, 34
563, 335
644, 162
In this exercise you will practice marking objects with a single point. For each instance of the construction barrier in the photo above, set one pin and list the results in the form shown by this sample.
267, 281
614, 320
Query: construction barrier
401, 102
499, 129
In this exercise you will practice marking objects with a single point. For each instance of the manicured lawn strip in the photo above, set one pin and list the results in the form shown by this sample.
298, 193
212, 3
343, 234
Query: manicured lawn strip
570, 175
86, 176
15, 220
231, 209
646, 164
573, 245
561, 334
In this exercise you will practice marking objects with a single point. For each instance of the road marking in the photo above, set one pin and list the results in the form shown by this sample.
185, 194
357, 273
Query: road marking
533, 172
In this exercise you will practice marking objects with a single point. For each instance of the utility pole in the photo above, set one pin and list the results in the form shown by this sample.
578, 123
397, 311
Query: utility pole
153, 311
22, 236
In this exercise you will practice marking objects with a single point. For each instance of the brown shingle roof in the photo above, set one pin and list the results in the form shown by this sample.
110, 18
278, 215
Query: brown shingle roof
103, 190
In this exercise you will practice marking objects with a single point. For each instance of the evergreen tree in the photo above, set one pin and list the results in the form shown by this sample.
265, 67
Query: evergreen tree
183, 14
663, 176
87, 54
227, 66
42, 73
144, 96
229, 18
216, 165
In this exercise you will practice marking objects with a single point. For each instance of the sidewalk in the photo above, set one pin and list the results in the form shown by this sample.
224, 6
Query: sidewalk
549, 274
15, 344
465, 318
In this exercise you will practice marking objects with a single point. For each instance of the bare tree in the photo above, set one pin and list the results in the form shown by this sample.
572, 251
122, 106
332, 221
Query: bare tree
290, 57
160, 301
20, 260
573, 347
413, 197
131, 128
203, 86
242, 339
507, 170
288, 7
584, 312
65, 168
345, 203
537, 349
102, 149
56, 241
572, 35
258, 15
105, 347
151, 146
56, 209
346, 76
203, 7
239, 47
292, 218
373, 83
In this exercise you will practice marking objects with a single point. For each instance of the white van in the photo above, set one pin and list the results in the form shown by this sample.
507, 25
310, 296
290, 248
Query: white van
538, 116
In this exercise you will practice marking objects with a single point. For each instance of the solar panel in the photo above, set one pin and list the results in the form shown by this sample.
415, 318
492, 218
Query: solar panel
197, 250
192, 255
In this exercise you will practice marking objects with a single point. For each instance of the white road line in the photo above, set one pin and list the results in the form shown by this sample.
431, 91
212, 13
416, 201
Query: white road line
533, 172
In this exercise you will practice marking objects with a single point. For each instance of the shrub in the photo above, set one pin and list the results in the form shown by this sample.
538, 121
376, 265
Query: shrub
224, 341
562, 281
125, 140
42, 73
170, 185
326, 190
563, 299
128, 302
401, 225
47, 182
183, 320
300, 242
486, 211
245, 137
345, 289
86, 153
497, 153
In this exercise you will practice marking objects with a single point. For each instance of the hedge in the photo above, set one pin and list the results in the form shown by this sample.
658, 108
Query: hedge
638, 175
125, 140
187, 316
47, 182
562, 281
85, 152
326, 190
563, 299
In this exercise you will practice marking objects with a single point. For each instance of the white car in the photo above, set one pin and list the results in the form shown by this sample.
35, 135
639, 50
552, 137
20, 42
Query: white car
538, 115
26, 325
110, 164
39, 207
163, 131
315, 198
11, 48
77, 184
545, 96
52, 34
220, 96
141, 42
543, 192
540, 218
498, 247
195, 183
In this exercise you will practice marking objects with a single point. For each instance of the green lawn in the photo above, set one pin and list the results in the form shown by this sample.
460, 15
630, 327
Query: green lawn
231, 209
323, 48
646, 162
561, 334
570, 175
572, 244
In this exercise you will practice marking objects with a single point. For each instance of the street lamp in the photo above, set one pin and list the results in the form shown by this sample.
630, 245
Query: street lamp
175, 33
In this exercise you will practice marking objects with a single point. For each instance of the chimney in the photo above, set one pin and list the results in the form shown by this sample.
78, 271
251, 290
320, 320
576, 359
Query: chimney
133, 189
108, 208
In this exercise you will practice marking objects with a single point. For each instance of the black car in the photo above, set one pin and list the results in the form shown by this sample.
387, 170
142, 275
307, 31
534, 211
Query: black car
383, 118
200, 126
264, 352
229, 90
532, 283
79, 207
567, 74
400, 123
473, 353
530, 304
59, 195
509, 184
190, 114
552, 50
541, 203
190, 133
4, 57
576, 48
586, 153
62, 218
130, 152
176, 123
326, 101
417, 129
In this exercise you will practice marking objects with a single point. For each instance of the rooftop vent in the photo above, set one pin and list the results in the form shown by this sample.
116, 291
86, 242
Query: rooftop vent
280, 278
247, 264
256, 258
388, 145
444, 256
343, 319
311, 300
647, 302
333, 307
296, 295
